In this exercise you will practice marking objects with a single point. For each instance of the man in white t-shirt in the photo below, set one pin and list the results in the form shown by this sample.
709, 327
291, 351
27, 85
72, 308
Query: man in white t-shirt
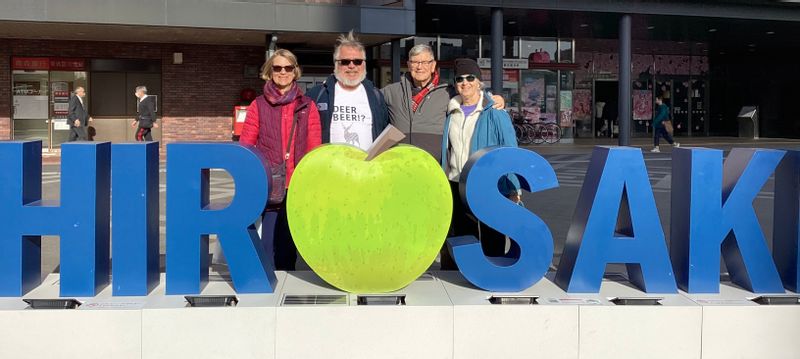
351, 109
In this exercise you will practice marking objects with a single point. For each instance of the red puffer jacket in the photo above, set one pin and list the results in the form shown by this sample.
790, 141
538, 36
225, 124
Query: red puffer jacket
263, 128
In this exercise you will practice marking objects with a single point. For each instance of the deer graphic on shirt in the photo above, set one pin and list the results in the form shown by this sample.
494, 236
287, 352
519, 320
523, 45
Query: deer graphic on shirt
351, 138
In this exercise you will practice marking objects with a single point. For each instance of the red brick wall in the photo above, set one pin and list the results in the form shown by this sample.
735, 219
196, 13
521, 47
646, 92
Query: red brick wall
197, 96
5, 91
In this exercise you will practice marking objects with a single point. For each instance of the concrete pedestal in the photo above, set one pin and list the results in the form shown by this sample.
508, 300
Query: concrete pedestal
171, 329
422, 328
103, 327
443, 317
736, 327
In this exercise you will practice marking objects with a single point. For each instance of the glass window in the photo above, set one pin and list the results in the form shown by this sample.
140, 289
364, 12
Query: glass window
539, 50
326, 2
565, 51
30, 105
63, 83
452, 48
385, 3
510, 47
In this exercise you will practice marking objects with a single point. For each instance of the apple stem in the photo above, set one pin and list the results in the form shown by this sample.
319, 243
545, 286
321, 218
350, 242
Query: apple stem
387, 139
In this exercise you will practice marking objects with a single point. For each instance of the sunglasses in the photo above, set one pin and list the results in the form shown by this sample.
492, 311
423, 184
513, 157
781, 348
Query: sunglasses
347, 62
469, 78
277, 69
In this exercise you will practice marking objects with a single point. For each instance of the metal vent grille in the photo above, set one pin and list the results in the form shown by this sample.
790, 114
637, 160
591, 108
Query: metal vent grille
514, 299
336, 299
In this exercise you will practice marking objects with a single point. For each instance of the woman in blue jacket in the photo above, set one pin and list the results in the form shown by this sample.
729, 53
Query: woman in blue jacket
472, 124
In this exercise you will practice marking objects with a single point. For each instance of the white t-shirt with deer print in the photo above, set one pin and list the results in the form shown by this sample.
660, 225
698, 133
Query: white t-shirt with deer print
351, 120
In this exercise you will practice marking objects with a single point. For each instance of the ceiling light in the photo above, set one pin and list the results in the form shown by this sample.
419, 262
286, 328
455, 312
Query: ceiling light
751, 45
434, 19
712, 30
584, 25
651, 27
512, 22
770, 32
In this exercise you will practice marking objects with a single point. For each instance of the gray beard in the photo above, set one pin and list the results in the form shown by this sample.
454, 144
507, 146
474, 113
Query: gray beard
350, 83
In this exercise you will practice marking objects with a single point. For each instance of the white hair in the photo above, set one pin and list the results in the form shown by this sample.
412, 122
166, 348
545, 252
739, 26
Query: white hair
347, 40
143, 88
419, 49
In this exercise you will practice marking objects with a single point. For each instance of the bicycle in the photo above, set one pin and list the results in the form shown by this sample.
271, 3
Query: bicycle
550, 132
524, 131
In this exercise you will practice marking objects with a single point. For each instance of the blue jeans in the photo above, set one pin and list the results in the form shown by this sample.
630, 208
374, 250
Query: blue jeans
660, 131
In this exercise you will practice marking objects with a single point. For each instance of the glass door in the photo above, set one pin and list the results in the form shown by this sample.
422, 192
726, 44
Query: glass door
30, 105
680, 106
62, 85
699, 104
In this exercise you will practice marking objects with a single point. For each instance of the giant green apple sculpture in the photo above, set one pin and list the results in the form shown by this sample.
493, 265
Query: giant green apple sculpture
369, 226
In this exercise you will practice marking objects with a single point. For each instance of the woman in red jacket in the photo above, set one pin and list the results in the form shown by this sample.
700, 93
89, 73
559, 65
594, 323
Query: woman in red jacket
284, 125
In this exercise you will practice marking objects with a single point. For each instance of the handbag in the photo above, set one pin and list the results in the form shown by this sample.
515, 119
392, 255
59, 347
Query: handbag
668, 126
277, 193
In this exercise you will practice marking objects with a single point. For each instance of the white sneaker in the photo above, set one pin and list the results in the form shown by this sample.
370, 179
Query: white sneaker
655, 150
676, 144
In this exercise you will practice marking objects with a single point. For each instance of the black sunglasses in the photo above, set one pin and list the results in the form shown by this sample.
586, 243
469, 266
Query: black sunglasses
347, 62
278, 69
469, 78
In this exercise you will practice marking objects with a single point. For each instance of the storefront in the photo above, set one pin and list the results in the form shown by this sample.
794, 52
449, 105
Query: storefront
41, 87
574, 83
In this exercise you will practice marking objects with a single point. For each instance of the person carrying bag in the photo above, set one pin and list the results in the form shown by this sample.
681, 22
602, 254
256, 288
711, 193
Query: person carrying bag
662, 125
282, 107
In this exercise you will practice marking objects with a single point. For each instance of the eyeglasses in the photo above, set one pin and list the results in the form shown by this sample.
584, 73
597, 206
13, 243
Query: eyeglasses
347, 62
469, 78
277, 69
420, 63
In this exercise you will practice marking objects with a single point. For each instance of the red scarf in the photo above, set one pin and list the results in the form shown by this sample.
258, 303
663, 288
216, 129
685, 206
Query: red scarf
417, 99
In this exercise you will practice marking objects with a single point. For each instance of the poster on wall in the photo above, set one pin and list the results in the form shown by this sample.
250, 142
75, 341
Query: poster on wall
566, 119
582, 104
60, 124
532, 97
565, 98
60, 98
642, 105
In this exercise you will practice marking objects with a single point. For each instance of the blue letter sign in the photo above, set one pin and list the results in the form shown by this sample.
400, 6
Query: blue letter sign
533, 247
192, 217
81, 219
712, 208
616, 185
134, 176
786, 232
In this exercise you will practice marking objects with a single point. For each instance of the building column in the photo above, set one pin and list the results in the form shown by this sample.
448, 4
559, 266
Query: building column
497, 50
625, 80
395, 60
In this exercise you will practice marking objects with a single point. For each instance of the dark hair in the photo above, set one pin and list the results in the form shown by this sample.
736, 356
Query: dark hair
660, 98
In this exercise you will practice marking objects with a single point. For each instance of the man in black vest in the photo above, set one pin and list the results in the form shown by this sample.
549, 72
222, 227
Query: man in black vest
77, 116
146, 115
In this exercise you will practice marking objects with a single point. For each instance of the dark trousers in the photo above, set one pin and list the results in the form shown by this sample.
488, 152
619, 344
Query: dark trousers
462, 224
143, 134
77, 133
285, 252
658, 133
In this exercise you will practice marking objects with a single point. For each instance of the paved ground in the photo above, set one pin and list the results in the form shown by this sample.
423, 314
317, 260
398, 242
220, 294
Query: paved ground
555, 206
